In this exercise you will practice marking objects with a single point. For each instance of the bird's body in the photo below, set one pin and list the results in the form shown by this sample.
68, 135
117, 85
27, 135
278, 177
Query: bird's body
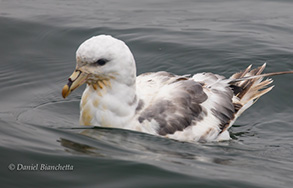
188, 108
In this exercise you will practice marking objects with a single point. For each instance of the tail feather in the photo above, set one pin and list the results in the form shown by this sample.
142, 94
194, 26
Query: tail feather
260, 93
250, 89
242, 73
248, 86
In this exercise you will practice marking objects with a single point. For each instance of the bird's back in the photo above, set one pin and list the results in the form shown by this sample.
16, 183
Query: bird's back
181, 107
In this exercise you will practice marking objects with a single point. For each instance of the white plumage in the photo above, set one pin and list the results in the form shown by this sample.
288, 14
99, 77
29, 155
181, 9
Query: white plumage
197, 108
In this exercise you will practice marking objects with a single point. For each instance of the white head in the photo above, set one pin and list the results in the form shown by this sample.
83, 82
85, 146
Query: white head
102, 58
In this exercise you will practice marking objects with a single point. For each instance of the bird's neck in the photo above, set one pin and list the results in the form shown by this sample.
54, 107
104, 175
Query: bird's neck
108, 103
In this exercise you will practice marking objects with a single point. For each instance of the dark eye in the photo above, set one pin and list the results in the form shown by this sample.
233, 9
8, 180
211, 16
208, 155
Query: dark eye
101, 62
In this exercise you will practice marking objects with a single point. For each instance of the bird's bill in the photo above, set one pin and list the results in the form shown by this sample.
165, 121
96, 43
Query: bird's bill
74, 81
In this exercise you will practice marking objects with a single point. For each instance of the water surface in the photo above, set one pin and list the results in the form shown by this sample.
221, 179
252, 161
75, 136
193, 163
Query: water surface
37, 126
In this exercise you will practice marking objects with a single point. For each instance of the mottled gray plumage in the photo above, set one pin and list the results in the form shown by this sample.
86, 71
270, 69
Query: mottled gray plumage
184, 107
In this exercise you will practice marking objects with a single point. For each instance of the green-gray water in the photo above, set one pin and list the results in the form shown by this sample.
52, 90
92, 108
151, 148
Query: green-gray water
38, 40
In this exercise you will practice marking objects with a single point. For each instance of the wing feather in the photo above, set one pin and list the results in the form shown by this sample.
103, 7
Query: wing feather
184, 107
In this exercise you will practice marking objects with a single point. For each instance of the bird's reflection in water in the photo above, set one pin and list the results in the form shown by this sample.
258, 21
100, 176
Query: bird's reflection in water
75, 148
135, 146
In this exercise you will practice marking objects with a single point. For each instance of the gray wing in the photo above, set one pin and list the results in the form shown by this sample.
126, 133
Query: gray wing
173, 103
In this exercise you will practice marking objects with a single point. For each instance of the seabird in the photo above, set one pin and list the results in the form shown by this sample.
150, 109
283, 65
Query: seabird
201, 107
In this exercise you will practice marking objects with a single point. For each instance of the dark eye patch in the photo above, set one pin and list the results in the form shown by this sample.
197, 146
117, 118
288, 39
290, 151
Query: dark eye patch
101, 62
